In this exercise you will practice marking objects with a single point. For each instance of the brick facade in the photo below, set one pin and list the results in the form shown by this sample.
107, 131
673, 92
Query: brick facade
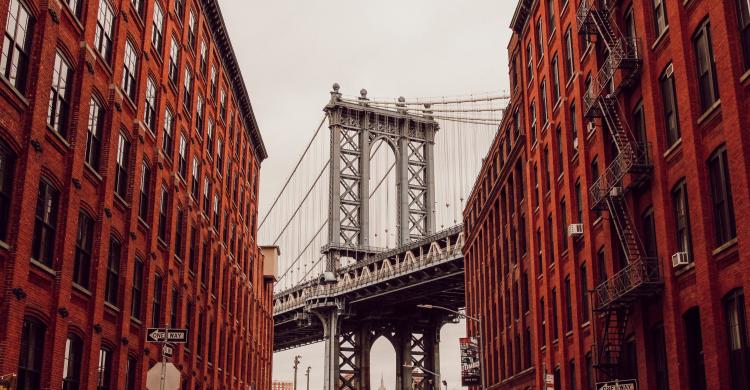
518, 248
209, 264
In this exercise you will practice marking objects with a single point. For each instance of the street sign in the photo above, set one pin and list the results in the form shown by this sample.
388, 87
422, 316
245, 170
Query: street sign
167, 350
549, 379
159, 335
171, 377
624, 384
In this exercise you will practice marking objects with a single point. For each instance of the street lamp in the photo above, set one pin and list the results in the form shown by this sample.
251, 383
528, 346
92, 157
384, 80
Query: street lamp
307, 373
296, 363
435, 374
478, 321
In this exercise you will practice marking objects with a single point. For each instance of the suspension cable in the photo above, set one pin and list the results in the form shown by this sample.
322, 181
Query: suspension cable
302, 202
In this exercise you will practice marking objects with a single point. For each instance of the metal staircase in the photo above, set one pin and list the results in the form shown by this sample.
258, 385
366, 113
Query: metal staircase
640, 277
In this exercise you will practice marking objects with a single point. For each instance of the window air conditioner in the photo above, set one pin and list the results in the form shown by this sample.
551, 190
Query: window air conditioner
680, 259
615, 192
575, 230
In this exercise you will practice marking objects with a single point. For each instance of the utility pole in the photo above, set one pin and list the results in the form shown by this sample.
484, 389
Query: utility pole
307, 374
296, 363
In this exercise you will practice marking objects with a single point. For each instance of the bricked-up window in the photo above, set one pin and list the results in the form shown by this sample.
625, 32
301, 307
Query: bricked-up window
137, 290
204, 61
195, 182
174, 58
156, 301
182, 156
743, 15
94, 130
660, 17
539, 40
45, 223
149, 112
31, 354
173, 307
7, 166
72, 358
167, 140
199, 116
569, 63
739, 351
568, 305
121, 166
191, 30
187, 97
19, 28
84, 242
113, 271
657, 349
59, 96
163, 205
671, 120
555, 80
708, 85
157, 32
144, 191
682, 218
105, 23
649, 232
694, 346
721, 193
179, 235
193, 252
543, 103
583, 283
213, 83
130, 371
529, 63
104, 369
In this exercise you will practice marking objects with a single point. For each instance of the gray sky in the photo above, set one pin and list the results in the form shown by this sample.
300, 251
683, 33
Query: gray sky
292, 51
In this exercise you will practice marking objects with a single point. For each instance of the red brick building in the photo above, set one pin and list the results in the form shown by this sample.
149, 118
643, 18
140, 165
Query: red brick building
605, 232
129, 162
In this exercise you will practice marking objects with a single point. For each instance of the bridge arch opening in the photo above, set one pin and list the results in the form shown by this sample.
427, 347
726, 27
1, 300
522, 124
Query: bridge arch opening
382, 364
383, 213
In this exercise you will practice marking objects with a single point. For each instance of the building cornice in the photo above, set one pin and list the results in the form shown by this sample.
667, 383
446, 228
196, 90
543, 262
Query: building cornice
229, 59
521, 15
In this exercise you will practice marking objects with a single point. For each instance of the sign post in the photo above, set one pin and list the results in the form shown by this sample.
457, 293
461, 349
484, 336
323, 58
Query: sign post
164, 336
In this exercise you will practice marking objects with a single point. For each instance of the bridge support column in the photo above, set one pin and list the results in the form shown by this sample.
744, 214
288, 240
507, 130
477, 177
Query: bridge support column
418, 347
330, 320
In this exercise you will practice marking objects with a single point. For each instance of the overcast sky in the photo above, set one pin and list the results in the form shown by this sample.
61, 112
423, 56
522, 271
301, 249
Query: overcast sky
292, 51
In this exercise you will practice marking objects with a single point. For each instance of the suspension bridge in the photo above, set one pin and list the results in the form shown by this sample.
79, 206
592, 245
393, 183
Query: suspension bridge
369, 227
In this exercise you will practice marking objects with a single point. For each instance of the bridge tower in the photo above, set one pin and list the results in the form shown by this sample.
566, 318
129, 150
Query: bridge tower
354, 127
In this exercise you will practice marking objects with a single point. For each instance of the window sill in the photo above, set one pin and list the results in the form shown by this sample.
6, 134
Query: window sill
660, 38
709, 112
744, 77
24, 102
724, 247
43, 267
685, 269
4, 245
121, 202
92, 174
83, 290
111, 307
57, 139
673, 149
597, 221
136, 321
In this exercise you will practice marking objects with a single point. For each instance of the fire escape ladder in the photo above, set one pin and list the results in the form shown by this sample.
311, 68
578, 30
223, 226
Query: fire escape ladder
631, 243
612, 340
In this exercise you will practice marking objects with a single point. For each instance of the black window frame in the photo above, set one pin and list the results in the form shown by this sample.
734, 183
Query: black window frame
83, 250
15, 55
114, 262
724, 223
45, 223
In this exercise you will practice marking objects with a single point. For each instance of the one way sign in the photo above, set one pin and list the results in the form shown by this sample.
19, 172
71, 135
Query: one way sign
160, 335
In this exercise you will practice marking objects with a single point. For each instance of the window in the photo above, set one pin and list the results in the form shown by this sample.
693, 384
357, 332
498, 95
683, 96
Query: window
532, 111
574, 127
559, 139
543, 102
72, 362
143, 204
568, 305
187, 100
660, 17
199, 338
206, 195
670, 106
564, 224
105, 23
137, 292
7, 165
223, 104
682, 218
84, 240
628, 359
179, 9
193, 248
555, 80
601, 266
173, 309
584, 283
195, 185
739, 352
14, 63
572, 374
157, 32
182, 157
130, 373
529, 63
743, 14
149, 113
59, 96
579, 202
569, 63
204, 64
539, 40
178, 237
104, 370
137, 4
547, 173
658, 351
204, 264
220, 155
217, 217
31, 355
129, 71
156, 302
121, 168
113, 272
639, 122
210, 138
45, 224
630, 24
708, 86
694, 347
94, 134
649, 232
199, 115
551, 16
721, 193
163, 205
174, 57
166, 142
553, 302
191, 30
213, 83
543, 317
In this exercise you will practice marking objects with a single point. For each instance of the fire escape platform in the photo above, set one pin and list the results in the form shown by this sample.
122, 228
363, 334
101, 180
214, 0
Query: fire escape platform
639, 279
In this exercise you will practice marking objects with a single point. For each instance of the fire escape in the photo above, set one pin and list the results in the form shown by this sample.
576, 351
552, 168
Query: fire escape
630, 168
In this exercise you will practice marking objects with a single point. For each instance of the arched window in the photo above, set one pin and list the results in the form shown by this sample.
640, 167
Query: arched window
739, 351
7, 165
45, 224
72, 362
104, 369
31, 354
